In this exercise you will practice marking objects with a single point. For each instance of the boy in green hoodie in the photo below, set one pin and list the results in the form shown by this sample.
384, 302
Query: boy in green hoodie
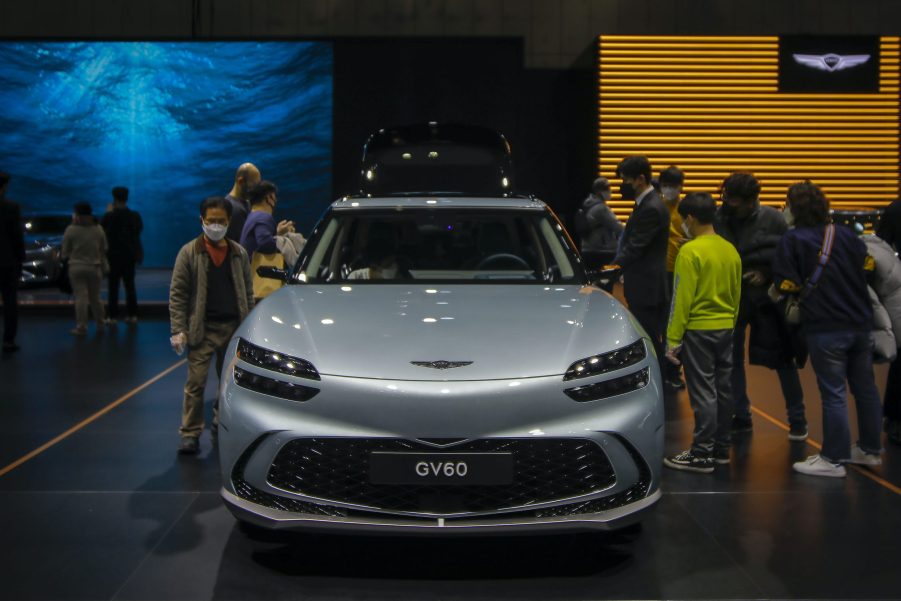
706, 293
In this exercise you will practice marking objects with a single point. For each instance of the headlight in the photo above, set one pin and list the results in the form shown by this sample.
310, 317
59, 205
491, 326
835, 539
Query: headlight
599, 364
285, 390
609, 388
283, 364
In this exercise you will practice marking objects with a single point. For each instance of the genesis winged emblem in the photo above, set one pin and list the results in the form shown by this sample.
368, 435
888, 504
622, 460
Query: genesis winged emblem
441, 364
831, 62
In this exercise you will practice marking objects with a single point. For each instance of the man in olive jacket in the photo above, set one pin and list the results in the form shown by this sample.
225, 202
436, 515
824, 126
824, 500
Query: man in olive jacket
210, 294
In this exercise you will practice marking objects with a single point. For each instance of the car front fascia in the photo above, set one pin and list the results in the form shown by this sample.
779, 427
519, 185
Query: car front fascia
362, 407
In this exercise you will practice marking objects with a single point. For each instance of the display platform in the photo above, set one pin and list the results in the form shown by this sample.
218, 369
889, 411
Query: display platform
97, 505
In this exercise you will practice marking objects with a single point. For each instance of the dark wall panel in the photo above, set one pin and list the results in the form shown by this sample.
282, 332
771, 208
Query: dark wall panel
545, 114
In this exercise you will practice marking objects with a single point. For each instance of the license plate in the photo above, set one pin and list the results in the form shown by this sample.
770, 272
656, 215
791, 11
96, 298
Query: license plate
441, 468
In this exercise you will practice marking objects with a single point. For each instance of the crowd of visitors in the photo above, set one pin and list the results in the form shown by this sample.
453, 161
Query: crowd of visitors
704, 280
792, 284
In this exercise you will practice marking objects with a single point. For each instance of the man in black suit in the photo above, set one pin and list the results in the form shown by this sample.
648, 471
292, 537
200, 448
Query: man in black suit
642, 249
12, 255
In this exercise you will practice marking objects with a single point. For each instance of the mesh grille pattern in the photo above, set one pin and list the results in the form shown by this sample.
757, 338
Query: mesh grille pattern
255, 495
337, 469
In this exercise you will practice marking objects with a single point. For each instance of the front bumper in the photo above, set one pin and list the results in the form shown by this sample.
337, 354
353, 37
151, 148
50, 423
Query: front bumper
247, 511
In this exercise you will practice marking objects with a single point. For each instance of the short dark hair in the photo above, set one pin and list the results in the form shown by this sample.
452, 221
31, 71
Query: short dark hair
633, 167
808, 204
83, 208
672, 175
741, 185
215, 202
699, 205
120, 194
4, 178
258, 193
600, 185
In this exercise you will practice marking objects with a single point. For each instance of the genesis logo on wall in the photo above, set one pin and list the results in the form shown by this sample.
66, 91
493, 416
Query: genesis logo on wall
829, 64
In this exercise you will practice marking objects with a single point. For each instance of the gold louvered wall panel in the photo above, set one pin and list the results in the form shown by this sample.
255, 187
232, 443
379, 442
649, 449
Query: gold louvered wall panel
711, 105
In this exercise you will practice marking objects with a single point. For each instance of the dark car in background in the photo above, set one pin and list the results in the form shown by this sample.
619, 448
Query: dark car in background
43, 243
448, 159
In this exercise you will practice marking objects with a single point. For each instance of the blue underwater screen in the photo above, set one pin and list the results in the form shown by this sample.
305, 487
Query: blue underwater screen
169, 120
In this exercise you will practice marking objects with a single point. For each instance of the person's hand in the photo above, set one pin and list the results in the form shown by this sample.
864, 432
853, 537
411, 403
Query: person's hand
284, 227
672, 353
754, 278
179, 342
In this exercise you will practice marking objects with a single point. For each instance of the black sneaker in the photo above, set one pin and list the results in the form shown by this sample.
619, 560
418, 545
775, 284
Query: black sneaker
742, 424
689, 462
721, 456
797, 432
189, 445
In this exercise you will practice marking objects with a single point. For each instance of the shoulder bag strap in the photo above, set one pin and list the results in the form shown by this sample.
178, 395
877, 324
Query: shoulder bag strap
825, 253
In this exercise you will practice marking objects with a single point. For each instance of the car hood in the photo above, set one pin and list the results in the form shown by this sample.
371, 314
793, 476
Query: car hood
376, 331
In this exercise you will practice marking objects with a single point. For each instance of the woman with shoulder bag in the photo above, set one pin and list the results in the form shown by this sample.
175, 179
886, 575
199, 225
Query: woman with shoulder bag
826, 267
84, 248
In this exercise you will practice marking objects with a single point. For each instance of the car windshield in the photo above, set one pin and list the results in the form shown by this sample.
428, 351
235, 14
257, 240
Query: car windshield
438, 245
46, 225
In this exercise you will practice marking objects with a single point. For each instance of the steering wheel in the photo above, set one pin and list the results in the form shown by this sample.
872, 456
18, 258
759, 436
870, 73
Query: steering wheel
504, 260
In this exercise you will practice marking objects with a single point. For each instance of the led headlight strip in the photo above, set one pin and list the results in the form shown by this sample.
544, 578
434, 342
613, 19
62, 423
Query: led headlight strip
283, 364
599, 364
285, 390
609, 388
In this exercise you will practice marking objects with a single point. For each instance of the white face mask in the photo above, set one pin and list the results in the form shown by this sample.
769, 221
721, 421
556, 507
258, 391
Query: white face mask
669, 193
789, 216
214, 231
686, 230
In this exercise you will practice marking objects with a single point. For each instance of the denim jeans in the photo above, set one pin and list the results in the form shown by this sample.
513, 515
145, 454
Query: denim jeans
789, 380
837, 357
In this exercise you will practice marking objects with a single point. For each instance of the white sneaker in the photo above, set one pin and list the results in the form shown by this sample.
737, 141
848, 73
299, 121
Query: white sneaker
861, 457
817, 466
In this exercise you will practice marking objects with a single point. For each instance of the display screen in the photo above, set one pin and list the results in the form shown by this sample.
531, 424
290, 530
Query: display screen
169, 120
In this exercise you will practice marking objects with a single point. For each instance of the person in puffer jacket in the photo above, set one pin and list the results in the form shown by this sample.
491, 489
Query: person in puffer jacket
598, 226
887, 286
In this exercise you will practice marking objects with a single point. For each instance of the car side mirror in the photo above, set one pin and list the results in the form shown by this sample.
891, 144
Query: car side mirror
273, 273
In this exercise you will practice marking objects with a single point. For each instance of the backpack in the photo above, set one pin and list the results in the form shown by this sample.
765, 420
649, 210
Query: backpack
580, 223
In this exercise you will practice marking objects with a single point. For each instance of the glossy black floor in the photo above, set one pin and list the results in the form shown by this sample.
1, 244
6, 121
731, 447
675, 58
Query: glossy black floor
110, 512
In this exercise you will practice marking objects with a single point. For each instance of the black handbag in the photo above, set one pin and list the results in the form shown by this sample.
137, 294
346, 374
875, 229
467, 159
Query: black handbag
64, 283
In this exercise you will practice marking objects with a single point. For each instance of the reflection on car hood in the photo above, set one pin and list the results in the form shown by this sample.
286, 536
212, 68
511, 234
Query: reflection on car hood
38, 241
376, 331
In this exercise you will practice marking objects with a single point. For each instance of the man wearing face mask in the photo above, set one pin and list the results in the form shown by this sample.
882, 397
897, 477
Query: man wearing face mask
260, 228
642, 249
246, 177
597, 226
755, 231
210, 294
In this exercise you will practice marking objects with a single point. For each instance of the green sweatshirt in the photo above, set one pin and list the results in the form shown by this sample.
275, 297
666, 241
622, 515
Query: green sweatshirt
706, 288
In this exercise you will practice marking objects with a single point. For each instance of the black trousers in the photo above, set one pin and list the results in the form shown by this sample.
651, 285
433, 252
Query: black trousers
9, 286
892, 403
124, 272
653, 319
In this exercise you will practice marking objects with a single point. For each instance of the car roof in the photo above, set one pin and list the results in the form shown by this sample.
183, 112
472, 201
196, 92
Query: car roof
444, 202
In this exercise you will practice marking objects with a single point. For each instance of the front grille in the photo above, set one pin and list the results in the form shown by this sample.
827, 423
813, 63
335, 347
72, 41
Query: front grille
545, 470
250, 493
